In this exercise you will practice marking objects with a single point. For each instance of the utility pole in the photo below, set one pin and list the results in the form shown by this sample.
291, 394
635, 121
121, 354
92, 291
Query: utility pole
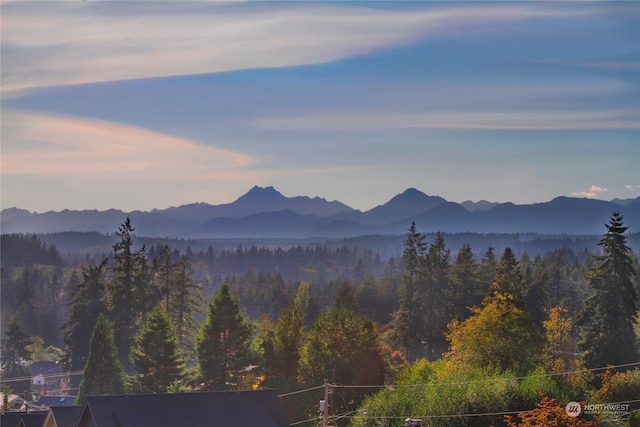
325, 409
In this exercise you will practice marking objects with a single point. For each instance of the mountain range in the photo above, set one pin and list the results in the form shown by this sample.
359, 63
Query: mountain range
265, 212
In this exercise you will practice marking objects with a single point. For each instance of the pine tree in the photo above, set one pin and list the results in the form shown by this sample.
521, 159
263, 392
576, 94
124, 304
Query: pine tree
223, 343
157, 355
610, 313
103, 374
87, 304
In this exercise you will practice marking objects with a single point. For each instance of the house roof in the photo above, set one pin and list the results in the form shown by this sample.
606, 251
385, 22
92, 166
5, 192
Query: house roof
228, 409
62, 416
10, 419
32, 419
50, 401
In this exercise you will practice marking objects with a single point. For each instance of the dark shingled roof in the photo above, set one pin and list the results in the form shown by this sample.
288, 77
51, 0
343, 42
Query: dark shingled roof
10, 419
227, 408
32, 419
64, 416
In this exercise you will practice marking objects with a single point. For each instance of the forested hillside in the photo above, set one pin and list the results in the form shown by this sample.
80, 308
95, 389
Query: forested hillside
434, 326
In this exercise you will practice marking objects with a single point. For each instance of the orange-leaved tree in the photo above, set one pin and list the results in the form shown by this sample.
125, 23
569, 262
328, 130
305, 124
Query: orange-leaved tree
549, 413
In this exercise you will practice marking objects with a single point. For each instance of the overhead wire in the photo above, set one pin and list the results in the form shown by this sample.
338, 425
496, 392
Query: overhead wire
552, 374
392, 386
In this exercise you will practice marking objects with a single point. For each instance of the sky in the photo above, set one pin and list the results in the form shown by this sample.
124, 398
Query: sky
143, 105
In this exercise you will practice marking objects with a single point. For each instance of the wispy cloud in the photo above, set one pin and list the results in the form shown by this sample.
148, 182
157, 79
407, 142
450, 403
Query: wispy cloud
101, 156
495, 120
592, 192
56, 43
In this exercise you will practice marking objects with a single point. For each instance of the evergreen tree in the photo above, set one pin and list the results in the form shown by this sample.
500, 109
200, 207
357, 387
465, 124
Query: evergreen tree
14, 344
14, 351
610, 313
281, 343
307, 304
434, 316
162, 271
488, 265
508, 279
129, 296
184, 302
464, 289
103, 374
157, 355
87, 304
407, 331
223, 343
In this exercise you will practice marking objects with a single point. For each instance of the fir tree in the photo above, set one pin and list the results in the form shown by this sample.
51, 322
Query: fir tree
103, 374
610, 313
433, 302
223, 343
14, 351
129, 296
464, 290
406, 327
157, 355
184, 302
87, 304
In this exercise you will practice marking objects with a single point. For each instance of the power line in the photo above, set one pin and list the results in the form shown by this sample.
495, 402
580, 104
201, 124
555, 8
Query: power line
467, 415
25, 378
626, 365
552, 374
304, 421
301, 391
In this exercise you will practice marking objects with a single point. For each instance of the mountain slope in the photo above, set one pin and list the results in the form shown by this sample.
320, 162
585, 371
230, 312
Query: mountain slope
264, 212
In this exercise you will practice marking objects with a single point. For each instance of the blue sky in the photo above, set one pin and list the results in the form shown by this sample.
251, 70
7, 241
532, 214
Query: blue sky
142, 105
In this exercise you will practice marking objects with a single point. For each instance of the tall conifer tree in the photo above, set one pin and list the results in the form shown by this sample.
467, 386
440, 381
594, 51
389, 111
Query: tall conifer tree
407, 329
223, 343
129, 291
87, 304
610, 313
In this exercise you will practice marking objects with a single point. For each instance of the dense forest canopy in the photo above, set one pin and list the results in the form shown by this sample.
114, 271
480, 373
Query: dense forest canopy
432, 308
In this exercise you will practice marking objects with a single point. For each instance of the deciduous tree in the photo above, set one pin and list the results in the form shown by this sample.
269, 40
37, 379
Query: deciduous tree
549, 413
343, 347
